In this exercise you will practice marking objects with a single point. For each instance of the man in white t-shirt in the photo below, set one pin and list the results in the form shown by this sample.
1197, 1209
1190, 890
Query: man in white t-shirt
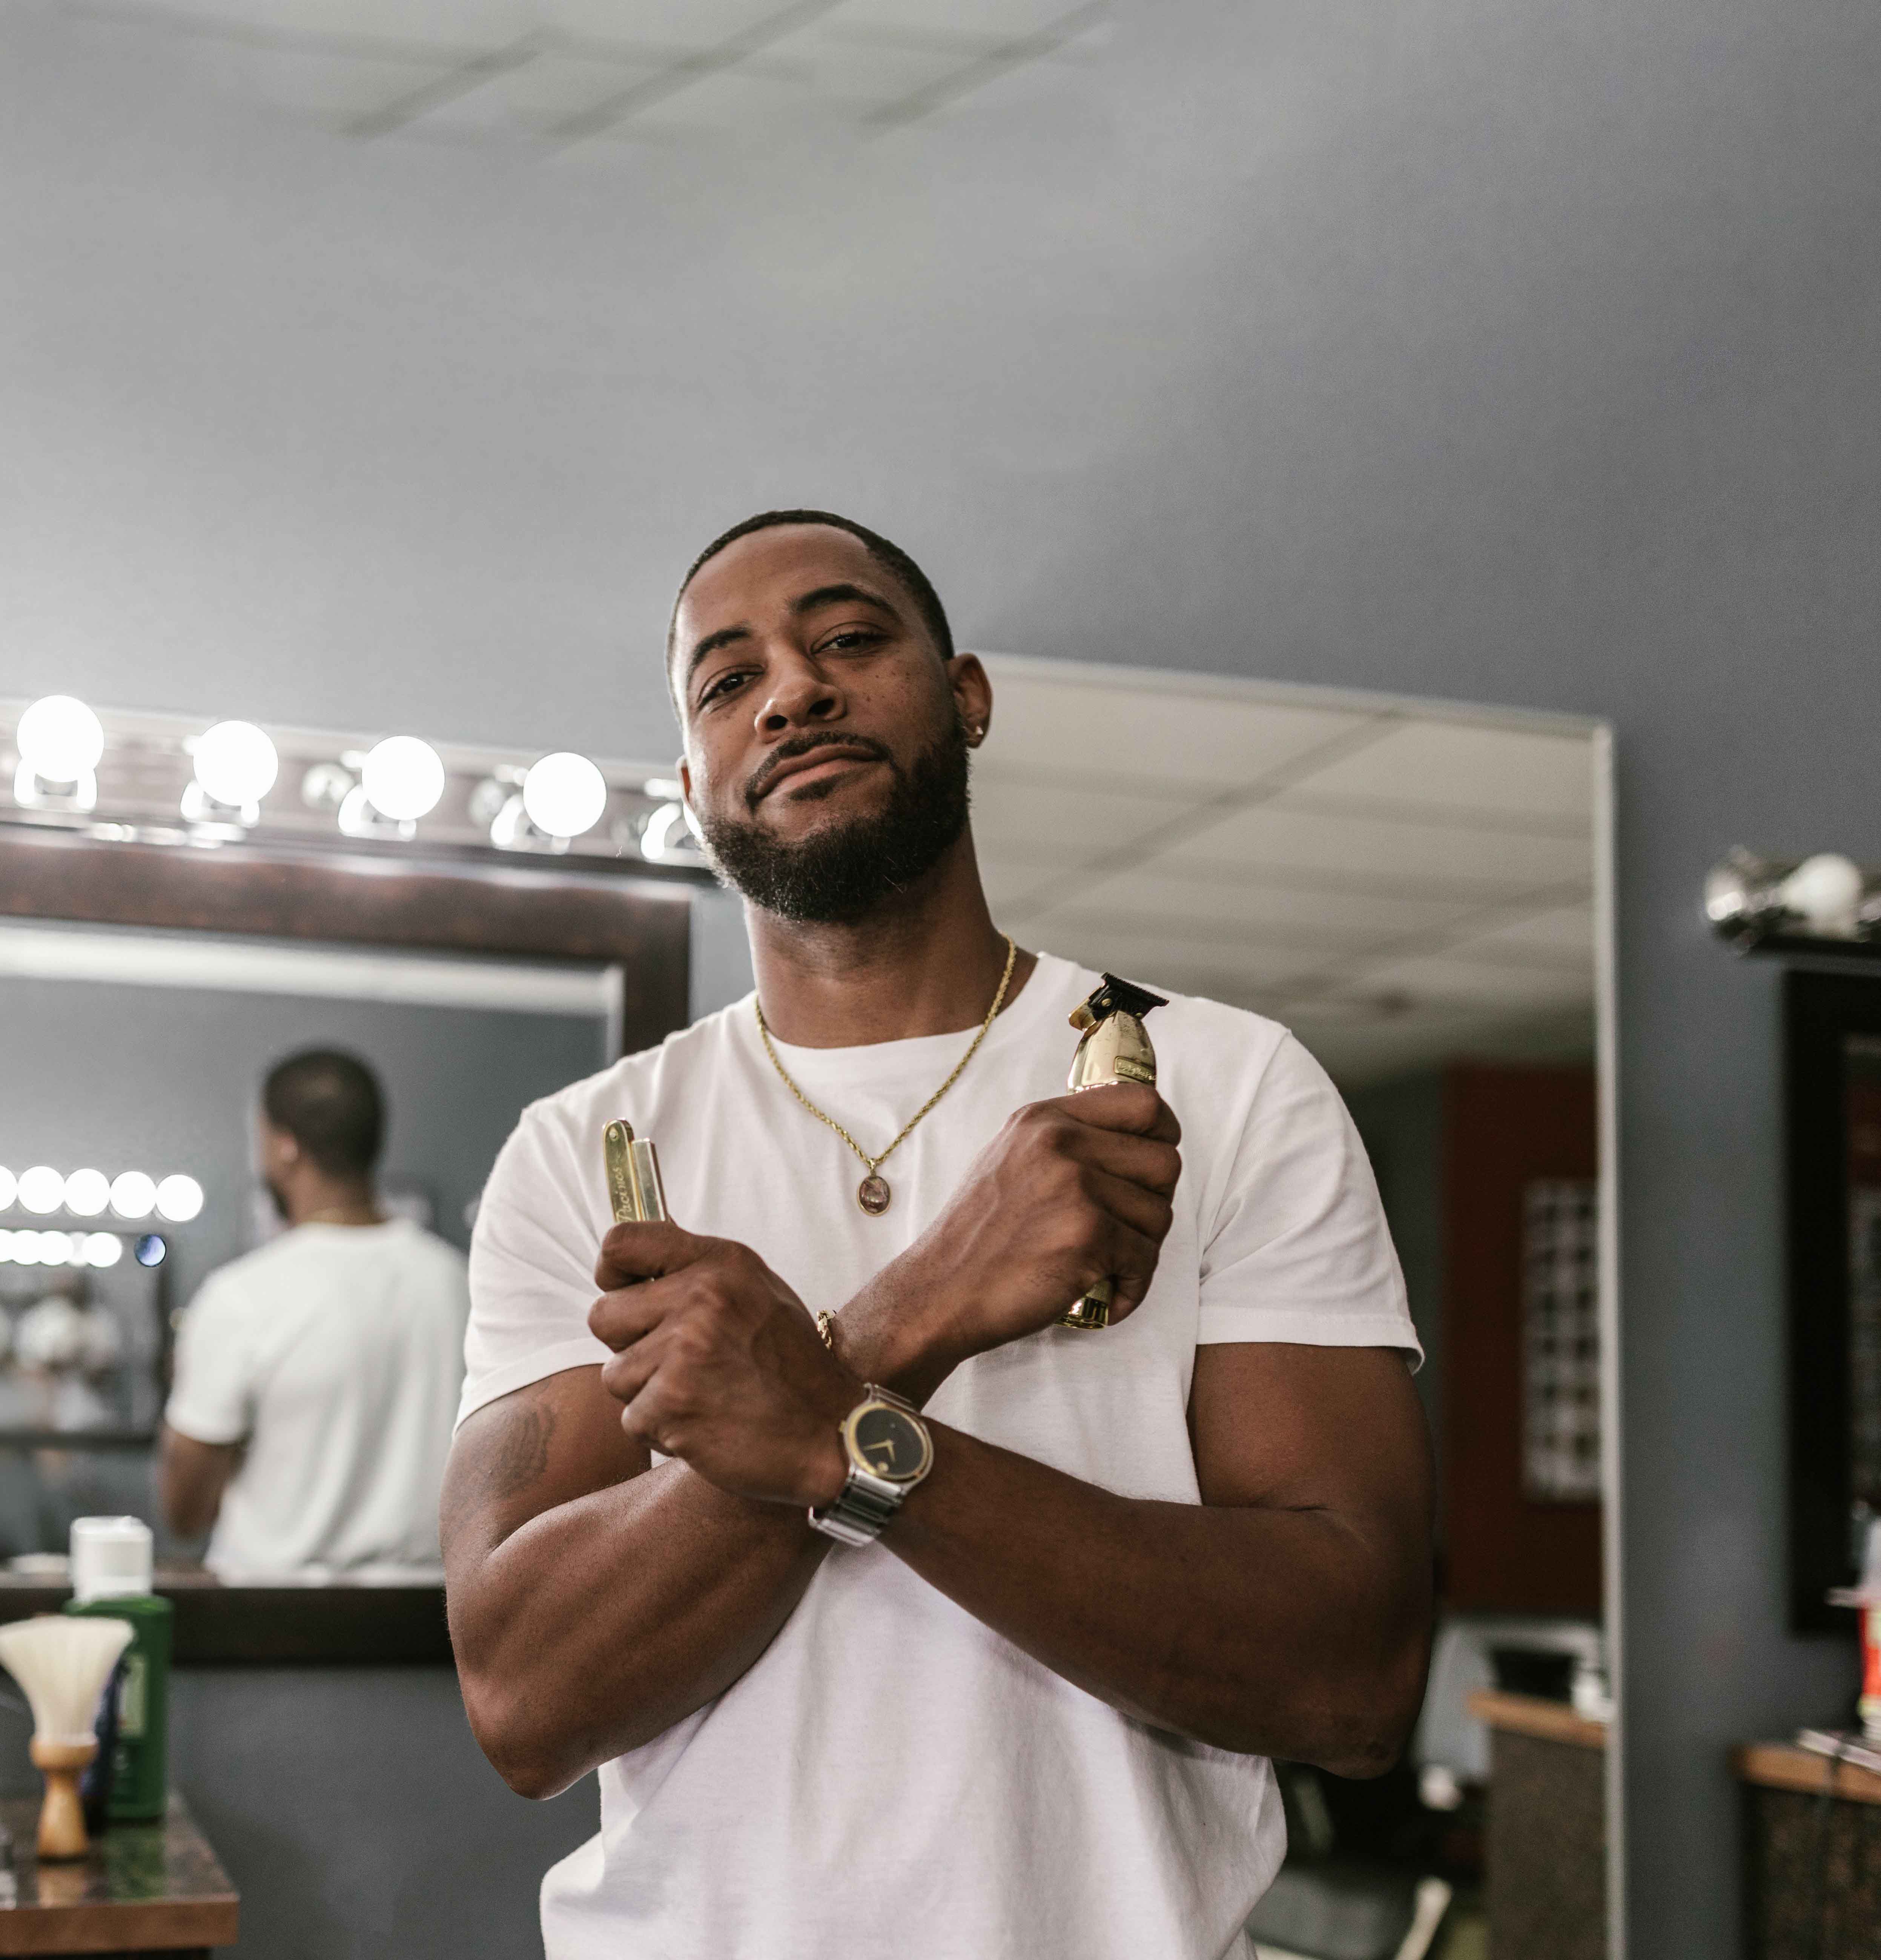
895, 1615
317, 1378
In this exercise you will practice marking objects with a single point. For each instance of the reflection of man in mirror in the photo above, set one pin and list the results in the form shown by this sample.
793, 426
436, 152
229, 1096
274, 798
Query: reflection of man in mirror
891, 1611
316, 1378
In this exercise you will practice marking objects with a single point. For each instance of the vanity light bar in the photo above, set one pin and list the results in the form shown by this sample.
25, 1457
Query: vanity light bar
131, 1195
179, 779
1823, 904
59, 1249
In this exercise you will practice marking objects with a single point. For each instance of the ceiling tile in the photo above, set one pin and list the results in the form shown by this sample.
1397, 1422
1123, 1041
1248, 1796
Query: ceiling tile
1239, 908
852, 66
998, 21
1147, 734
733, 102
1563, 937
533, 99
1453, 766
687, 24
1028, 821
1442, 856
1439, 977
1187, 965
1356, 1053
334, 89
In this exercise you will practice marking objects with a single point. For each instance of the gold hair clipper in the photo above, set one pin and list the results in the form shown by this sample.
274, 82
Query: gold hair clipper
1116, 1049
633, 1188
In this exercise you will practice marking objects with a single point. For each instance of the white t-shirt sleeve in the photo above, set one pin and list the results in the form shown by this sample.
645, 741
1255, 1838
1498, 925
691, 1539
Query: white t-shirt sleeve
532, 1268
212, 1395
1296, 1249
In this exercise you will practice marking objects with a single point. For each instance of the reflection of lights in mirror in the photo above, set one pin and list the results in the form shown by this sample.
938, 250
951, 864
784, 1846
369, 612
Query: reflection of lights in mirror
41, 1189
178, 1199
87, 1193
403, 778
133, 1194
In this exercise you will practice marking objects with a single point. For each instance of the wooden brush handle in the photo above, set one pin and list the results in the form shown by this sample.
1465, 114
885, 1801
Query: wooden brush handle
62, 1825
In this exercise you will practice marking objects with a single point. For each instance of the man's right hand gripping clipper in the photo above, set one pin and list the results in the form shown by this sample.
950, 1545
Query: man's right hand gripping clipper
1114, 1048
633, 1188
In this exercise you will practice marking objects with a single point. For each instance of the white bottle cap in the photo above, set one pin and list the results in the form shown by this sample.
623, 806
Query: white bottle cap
111, 1558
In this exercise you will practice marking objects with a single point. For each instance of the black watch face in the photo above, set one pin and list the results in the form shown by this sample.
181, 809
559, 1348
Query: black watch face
889, 1443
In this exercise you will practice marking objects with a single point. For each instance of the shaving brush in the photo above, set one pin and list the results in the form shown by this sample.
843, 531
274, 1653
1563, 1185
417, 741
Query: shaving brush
62, 1664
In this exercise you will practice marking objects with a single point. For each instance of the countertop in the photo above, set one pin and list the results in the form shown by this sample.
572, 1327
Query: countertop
141, 1886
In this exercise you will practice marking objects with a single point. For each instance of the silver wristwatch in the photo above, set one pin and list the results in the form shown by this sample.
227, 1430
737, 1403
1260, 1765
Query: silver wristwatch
889, 1452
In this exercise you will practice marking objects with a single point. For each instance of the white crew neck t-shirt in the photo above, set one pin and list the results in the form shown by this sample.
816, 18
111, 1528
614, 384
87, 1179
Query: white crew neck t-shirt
890, 1773
335, 1353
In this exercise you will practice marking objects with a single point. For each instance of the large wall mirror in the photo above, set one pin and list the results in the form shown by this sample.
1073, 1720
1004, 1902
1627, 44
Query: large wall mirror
1420, 892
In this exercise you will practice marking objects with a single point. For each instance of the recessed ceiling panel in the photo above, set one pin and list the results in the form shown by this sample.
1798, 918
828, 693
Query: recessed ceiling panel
1438, 857
535, 97
1565, 937
1317, 914
996, 20
1467, 982
1449, 765
1145, 734
1021, 820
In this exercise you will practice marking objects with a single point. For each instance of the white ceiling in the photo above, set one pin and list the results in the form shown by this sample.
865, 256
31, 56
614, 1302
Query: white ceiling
561, 73
1400, 887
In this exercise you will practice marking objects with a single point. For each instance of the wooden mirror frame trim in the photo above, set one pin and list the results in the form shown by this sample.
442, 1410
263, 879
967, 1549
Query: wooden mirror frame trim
637, 918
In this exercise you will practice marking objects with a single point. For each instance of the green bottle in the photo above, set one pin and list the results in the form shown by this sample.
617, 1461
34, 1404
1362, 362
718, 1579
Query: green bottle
111, 1580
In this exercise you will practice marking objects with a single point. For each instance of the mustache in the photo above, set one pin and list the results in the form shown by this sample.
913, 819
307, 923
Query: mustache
794, 745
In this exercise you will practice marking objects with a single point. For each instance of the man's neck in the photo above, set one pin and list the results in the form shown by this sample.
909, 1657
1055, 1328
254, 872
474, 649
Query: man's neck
326, 1201
927, 963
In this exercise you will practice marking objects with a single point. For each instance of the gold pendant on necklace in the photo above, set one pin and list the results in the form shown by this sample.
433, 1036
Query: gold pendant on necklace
873, 1194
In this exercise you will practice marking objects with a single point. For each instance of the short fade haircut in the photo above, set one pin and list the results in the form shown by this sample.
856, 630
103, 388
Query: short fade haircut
330, 1103
886, 553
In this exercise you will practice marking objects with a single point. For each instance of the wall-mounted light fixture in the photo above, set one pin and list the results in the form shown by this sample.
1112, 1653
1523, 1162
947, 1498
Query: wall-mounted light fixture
157, 778
1825, 903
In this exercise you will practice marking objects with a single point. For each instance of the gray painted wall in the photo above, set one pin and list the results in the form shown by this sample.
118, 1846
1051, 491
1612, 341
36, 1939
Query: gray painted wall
1513, 353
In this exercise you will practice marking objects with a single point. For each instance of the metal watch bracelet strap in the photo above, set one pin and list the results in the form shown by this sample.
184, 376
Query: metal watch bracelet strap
866, 1501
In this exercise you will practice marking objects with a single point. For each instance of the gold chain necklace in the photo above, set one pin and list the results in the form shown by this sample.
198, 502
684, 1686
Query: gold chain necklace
873, 1193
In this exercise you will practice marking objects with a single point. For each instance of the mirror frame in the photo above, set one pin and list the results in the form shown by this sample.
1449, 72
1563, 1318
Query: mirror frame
489, 903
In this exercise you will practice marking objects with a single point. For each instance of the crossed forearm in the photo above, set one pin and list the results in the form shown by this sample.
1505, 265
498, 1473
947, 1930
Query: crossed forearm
595, 1627
1268, 1629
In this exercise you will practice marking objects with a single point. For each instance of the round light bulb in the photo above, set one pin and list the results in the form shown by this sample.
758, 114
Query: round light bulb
9, 1189
1826, 889
87, 1193
26, 1249
236, 763
564, 794
403, 778
178, 1199
103, 1249
41, 1189
59, 739
133, 1194
54, 1249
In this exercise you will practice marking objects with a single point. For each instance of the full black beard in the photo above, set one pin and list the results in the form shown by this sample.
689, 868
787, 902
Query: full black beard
844, 872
